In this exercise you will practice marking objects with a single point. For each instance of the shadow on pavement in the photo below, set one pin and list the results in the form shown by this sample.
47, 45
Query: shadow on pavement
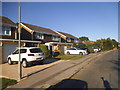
47, 61
106, 84
51, 60
70, 83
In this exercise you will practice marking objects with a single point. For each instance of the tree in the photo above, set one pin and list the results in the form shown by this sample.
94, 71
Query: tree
45, 50
84, 38
115, 43
79, 45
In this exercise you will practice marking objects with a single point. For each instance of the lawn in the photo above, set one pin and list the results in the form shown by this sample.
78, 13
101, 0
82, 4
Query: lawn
70, 57
4, 82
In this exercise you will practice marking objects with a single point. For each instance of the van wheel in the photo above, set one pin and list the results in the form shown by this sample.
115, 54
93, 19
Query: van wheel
24, 63
68, 53
9, 61
80, 53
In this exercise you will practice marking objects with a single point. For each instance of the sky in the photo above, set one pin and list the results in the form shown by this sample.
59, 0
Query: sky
95, 20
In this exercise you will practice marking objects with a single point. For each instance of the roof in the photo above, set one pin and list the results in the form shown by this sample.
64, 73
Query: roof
68, 35
40, 29
88, 42
6, 21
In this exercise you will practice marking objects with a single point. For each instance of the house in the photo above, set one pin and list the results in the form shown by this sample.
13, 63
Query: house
65, 42
37, 33
9, 38
8, 32
68, 38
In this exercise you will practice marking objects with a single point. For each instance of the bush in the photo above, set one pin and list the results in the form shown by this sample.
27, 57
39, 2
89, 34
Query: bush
45, 50
55, 54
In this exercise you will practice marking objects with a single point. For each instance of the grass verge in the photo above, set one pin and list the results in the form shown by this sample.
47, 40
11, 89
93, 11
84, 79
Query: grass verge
70, 57
4, 82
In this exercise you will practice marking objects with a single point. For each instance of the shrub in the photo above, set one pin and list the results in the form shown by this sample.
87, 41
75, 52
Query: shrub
55, 54
45, 50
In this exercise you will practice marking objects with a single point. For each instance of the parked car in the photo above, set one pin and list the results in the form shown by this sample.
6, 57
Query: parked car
96, 49
85, 48
75, 51
28, 55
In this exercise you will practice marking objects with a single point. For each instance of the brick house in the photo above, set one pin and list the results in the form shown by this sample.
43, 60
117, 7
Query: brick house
37, 33
65, 42
9, 38
68, 38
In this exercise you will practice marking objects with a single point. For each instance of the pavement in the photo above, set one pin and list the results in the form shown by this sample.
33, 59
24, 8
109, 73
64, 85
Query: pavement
56, 73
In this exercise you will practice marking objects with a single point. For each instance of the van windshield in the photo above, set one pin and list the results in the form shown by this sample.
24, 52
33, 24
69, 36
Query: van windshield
35, 50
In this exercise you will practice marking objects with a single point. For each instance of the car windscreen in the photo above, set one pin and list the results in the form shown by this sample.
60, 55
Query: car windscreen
35, 50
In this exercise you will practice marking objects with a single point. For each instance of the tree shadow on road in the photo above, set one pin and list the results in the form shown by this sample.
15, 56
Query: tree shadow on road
70, 83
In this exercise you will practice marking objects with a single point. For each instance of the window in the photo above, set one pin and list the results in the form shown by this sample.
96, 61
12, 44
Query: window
16, 51
21, 51
71, 49
68, 39
36, 50
5, 31
75, 40
56, 38
39, 36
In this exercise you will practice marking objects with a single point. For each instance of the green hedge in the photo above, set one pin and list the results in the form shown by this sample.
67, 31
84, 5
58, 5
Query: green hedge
45, 50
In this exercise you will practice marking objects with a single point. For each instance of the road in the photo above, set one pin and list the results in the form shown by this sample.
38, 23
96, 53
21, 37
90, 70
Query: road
86, 72
100, 73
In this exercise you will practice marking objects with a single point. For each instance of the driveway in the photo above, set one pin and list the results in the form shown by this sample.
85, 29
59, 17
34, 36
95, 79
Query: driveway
11, 71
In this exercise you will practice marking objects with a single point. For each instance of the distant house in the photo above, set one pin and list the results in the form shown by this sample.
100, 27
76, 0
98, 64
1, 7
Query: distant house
68, 38
65, 41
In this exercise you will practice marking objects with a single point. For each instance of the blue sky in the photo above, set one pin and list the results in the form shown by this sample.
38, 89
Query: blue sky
95, 20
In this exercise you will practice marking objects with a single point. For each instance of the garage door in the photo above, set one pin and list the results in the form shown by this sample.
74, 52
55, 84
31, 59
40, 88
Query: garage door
8, 49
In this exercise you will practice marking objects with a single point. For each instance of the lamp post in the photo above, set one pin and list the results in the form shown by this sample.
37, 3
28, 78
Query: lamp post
19, 44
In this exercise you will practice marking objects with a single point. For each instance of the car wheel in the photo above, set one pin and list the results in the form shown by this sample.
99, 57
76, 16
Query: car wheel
9, 61
80, 53
68, 53
24, 63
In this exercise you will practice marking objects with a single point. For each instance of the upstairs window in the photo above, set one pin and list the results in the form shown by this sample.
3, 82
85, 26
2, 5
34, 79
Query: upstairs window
55, 38
39, 36
68, 39
5, 31
75, 40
